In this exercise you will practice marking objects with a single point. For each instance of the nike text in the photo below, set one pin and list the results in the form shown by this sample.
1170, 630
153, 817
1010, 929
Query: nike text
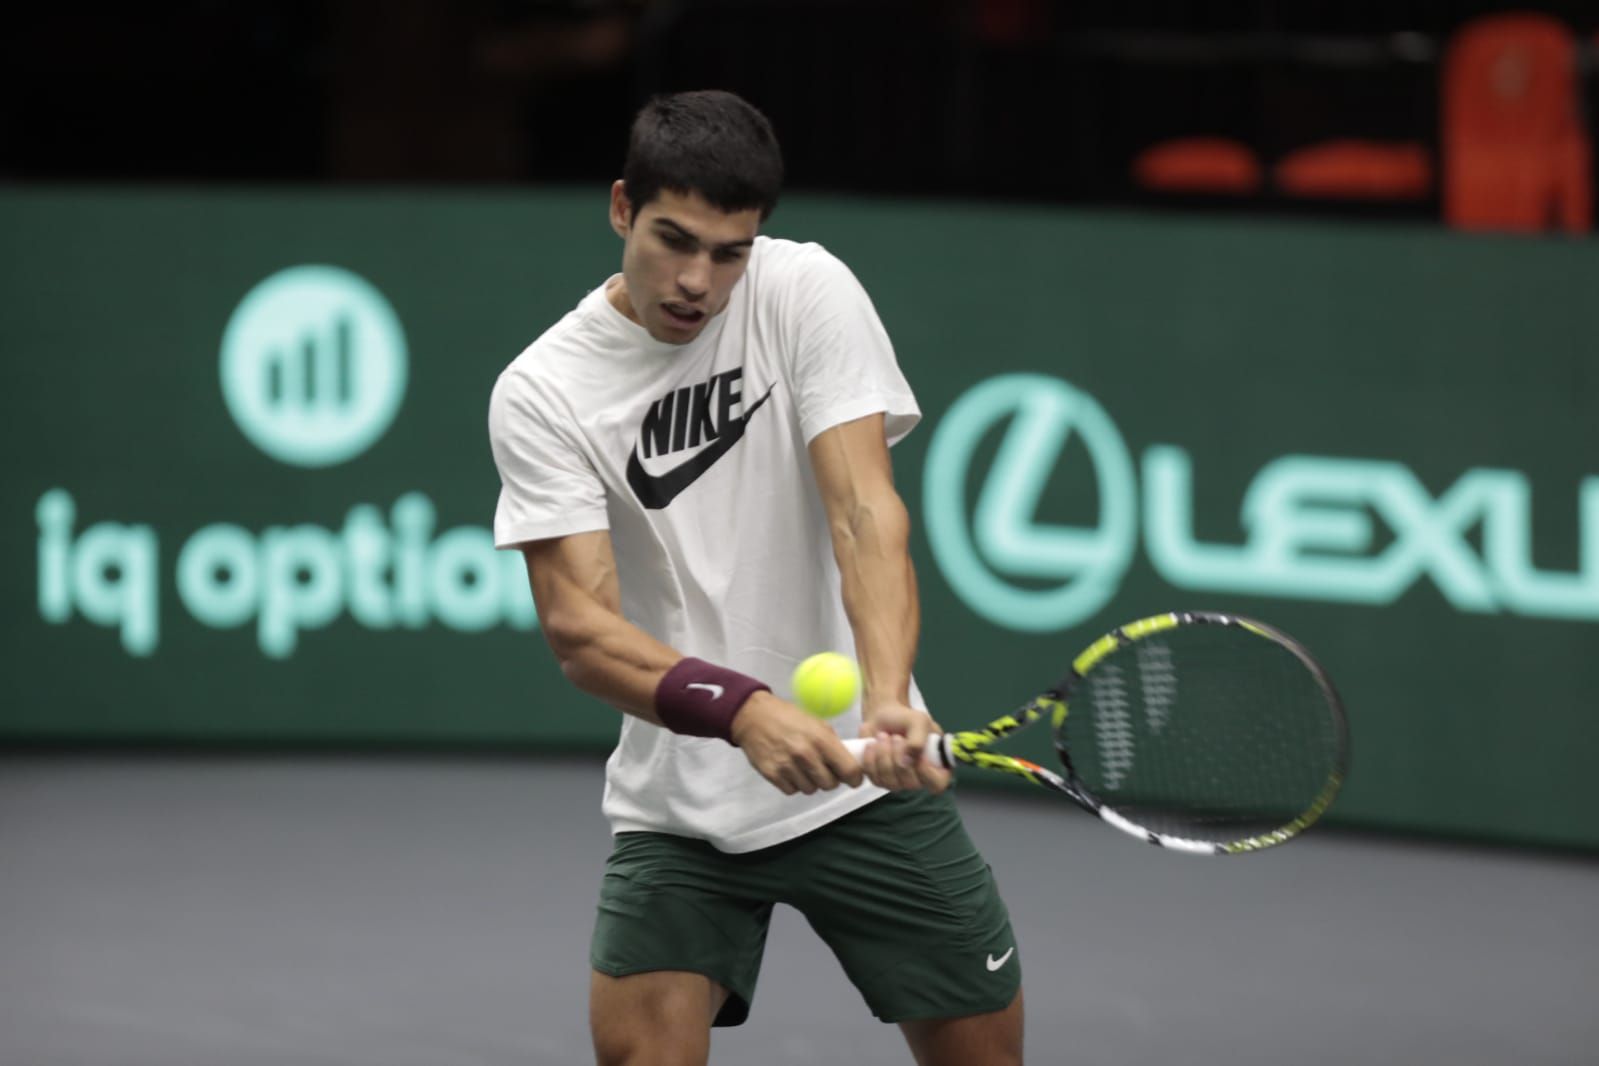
687, 417
682, 419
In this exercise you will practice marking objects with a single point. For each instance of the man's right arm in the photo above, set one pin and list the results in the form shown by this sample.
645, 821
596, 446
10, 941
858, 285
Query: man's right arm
579, 602
580, 611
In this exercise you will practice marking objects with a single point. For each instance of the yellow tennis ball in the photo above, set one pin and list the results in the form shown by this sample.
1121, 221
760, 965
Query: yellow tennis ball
826, 683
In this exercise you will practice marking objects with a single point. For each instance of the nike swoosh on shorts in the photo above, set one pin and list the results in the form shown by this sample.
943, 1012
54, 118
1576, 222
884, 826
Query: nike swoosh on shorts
655, 491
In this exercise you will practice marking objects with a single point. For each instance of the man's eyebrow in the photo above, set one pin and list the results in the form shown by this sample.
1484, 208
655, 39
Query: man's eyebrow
681, 231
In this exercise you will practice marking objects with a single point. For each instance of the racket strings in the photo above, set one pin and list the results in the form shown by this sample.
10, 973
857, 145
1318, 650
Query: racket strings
1204, 731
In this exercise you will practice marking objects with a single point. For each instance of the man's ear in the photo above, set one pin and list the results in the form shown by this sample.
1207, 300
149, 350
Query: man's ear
621, 209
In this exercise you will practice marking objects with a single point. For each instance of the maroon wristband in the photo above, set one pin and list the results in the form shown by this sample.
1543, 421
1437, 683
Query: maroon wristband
699, 699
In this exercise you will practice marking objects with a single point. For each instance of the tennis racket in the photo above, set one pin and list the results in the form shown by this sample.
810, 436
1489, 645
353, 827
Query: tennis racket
1201, 732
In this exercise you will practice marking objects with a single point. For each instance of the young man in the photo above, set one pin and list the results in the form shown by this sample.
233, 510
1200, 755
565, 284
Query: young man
695, 464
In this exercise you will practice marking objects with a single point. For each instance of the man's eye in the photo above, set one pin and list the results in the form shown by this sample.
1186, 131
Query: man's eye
728, 257
681, 244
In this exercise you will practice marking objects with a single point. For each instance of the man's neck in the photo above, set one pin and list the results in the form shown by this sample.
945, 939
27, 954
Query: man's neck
616, 292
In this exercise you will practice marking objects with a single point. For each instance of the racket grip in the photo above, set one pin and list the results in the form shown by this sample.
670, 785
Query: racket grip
935, 754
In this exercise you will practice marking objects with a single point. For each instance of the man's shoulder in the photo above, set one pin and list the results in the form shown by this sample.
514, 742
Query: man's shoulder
779, 255
545, 357
797, 274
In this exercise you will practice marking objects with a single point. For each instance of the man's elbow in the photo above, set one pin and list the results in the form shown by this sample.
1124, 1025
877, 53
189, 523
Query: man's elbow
879, 526
568, 637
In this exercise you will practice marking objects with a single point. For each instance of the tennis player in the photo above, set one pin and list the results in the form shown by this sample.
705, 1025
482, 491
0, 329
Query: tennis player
694, 462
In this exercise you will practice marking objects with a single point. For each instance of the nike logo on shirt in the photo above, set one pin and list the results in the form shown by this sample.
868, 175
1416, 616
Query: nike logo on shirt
655, 491
994, 964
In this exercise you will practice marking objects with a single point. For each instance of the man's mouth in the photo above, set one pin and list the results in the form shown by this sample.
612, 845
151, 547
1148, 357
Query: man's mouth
683, 315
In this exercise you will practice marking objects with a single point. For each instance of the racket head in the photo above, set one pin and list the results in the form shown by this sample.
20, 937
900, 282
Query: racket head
1202, 731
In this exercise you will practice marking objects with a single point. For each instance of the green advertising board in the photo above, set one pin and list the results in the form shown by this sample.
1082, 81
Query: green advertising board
248, 486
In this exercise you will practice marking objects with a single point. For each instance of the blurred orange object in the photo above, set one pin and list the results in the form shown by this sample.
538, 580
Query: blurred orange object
1199, 164
1356, 170
1012, 22
1516, 156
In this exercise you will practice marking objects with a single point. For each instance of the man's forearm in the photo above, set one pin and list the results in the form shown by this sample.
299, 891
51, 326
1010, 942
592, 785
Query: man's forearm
872, 546
612, 659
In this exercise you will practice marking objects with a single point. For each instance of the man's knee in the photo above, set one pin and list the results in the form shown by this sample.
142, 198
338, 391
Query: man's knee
661, 1018
992, 1039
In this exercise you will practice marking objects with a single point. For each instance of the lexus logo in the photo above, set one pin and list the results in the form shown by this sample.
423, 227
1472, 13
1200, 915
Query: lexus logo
1005, 563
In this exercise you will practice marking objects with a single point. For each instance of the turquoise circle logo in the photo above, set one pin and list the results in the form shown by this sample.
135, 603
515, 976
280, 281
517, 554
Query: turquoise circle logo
1002, 561
314, 365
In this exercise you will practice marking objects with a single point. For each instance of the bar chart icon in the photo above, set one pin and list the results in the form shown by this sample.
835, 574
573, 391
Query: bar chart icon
316, 371
314, 365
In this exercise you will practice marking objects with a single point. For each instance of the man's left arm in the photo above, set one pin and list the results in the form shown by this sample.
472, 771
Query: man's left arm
870, 529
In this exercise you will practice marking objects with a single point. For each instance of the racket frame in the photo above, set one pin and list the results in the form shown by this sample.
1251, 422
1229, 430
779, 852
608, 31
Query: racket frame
972, 747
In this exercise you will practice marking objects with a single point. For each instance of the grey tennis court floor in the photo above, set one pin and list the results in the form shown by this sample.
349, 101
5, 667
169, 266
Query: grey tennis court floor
161, 911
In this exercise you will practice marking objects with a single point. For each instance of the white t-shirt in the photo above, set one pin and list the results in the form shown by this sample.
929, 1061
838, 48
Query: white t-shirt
694, 458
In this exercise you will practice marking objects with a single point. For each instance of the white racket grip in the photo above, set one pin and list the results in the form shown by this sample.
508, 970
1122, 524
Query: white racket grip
935, 754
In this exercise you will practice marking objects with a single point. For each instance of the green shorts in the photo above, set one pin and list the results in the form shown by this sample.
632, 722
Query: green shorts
896, 889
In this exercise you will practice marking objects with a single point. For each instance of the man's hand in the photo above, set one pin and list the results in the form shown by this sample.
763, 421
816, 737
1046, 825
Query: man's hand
792, 750
895, 760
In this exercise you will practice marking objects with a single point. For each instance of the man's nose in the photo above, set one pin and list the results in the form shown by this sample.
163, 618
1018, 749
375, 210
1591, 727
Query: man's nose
694, 276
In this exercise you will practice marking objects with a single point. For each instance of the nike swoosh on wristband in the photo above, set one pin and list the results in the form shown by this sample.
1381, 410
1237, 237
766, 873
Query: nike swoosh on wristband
994, 964
655, 491
715, 690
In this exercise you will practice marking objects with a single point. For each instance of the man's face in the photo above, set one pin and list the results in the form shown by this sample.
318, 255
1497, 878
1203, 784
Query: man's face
681, 258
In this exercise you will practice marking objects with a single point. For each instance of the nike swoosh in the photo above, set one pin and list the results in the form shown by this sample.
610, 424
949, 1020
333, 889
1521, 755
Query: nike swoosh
655, 491
994, 964
714, 690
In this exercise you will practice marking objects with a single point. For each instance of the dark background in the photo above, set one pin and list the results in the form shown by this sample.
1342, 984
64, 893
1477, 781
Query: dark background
1030, 100
370, 853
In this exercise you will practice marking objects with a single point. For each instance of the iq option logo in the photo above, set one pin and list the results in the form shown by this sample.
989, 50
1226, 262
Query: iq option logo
1311, 523
313, 367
